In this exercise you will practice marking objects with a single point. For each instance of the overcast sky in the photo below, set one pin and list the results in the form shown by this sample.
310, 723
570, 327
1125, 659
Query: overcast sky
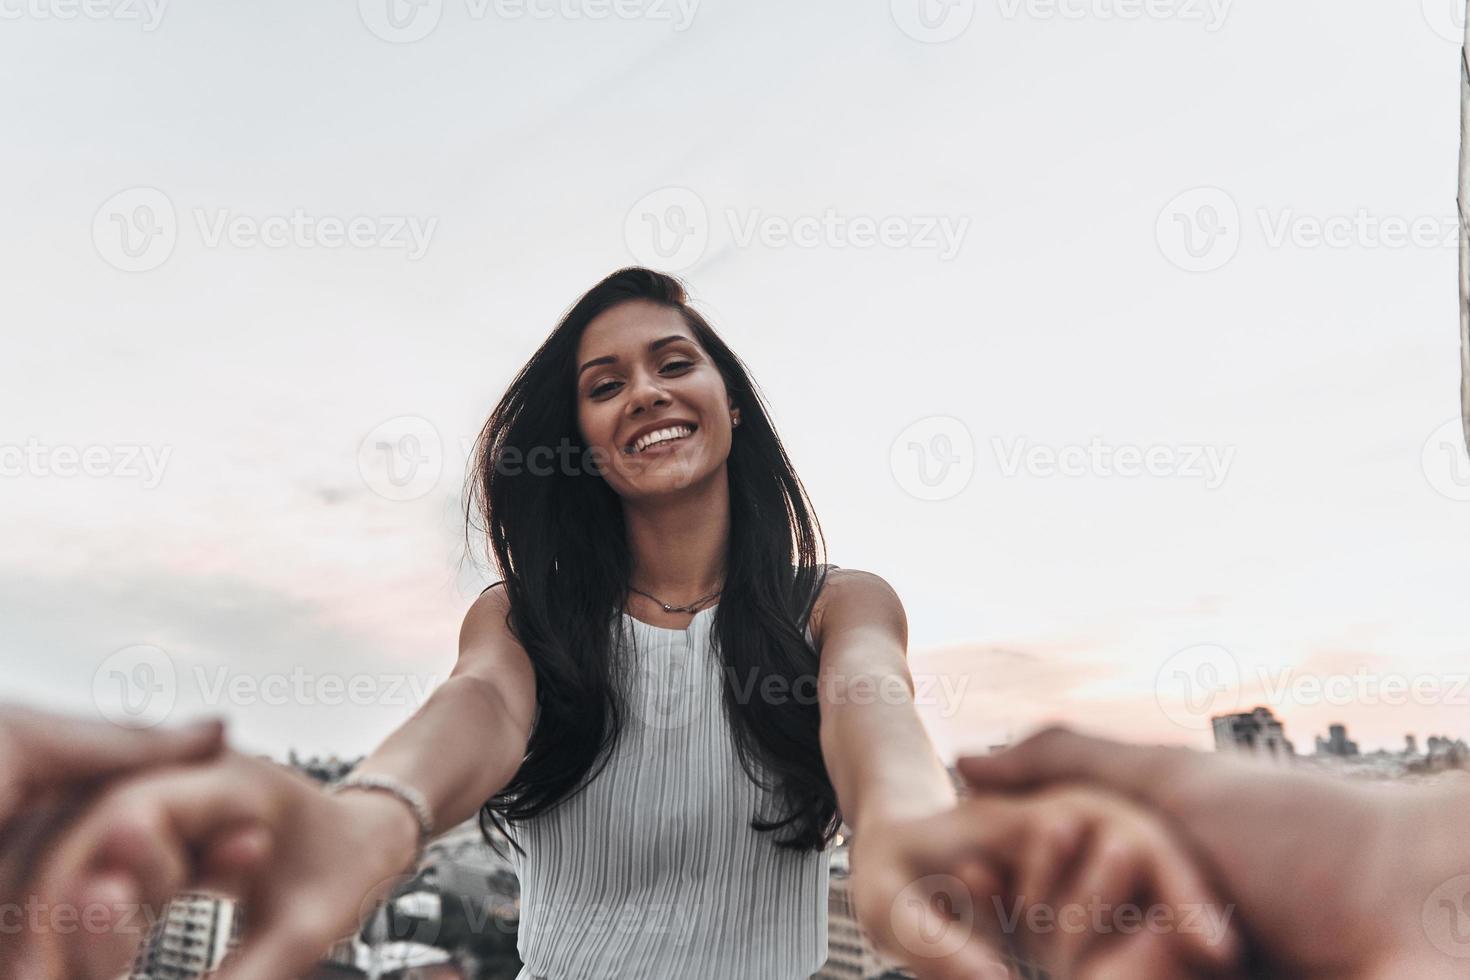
1118, 335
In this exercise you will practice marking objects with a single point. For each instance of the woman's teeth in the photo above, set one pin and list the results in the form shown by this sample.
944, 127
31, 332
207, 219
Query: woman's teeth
662, 436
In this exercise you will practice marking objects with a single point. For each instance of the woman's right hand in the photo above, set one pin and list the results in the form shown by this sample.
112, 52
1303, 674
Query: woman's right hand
306, 864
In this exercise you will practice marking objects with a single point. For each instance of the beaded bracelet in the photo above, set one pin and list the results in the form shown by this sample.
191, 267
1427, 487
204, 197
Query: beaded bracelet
411, 797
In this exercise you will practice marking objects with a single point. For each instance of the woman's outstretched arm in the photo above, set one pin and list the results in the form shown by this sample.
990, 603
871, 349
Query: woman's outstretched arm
933, 879
878, 755
470, 736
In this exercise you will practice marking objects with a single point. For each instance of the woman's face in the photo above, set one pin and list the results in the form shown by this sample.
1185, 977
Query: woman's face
633, 379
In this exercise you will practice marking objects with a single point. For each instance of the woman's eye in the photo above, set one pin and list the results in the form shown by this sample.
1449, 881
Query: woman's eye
613, 384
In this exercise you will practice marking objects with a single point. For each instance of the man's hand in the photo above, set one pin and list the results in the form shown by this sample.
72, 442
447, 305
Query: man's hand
1331, 878
50, 767
1084, 882
42, 753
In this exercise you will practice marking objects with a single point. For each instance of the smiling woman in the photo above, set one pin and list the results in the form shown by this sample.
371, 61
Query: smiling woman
702, 515
686, 518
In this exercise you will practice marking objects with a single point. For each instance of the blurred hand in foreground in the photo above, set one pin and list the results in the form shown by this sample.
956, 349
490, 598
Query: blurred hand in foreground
50, 767
1330, 878
1080, 881
308, 865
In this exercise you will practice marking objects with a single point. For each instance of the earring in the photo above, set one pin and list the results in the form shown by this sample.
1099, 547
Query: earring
734, 420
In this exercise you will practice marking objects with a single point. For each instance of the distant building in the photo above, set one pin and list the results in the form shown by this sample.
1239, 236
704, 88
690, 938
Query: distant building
1255, 732
1411, 745
849, 955
1336, 743
1447, 753
326, 770
191, 939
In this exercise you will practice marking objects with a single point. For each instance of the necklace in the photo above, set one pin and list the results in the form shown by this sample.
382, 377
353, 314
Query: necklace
692, 607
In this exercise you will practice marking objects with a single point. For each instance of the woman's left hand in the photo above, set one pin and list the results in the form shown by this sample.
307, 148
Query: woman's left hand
911, 905
1050, 875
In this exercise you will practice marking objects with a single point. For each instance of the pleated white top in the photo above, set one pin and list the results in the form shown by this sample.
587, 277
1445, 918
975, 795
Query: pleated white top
653, 871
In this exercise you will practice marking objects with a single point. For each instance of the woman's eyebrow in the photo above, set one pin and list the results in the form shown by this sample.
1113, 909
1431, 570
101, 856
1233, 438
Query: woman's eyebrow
612, 358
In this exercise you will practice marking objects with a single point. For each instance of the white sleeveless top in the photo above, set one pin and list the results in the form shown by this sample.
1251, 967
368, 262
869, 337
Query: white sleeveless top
653, 871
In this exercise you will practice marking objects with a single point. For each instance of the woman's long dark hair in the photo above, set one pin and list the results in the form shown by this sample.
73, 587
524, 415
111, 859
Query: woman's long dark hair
558, 538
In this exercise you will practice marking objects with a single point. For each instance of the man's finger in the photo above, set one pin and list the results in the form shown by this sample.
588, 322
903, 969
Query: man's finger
149, 827
1182, 887
52, 750
940, 941
280, 947
232, 861
105, 949
989, 829
1059, 755
1141, 955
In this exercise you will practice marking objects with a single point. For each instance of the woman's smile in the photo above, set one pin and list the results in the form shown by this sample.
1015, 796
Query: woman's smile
667, 444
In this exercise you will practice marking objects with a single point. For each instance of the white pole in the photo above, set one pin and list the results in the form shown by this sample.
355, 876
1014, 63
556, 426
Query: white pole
1463, 202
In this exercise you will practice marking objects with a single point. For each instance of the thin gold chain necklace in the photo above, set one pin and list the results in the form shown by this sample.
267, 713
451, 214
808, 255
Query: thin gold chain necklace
691, 607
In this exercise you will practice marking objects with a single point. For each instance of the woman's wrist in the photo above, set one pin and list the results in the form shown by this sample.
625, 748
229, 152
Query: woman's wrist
388, 823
